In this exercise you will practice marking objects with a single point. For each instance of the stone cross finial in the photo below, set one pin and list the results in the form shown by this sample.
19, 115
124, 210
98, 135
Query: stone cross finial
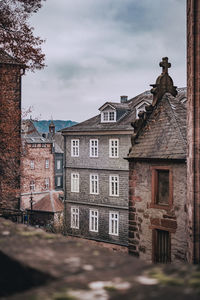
165, 65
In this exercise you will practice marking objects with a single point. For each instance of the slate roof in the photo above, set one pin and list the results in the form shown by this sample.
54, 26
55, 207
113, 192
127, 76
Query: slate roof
31, 135
49, 203
164, 135
5, 58
123, 123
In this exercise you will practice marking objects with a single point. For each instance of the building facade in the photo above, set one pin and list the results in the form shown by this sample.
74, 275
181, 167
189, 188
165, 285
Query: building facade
10, 142
157, 178
96, 174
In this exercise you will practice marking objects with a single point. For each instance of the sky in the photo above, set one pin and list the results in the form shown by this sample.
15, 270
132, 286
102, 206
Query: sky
98, 50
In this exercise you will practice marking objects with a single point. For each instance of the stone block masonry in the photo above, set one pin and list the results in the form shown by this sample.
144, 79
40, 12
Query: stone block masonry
144, 219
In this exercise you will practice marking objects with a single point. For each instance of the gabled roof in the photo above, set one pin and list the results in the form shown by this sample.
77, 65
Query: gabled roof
49, 203
164, 134
31, 135
123, 123
114, 105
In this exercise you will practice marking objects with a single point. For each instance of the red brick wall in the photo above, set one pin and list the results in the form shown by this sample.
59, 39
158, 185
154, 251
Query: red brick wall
193, 125
38, 174
10, 120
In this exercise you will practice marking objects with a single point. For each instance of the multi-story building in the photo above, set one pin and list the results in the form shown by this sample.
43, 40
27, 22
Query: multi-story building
157, 179
96, 174
38, 177
11, 71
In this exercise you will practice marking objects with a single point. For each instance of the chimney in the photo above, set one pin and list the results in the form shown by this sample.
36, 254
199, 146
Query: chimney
123, 99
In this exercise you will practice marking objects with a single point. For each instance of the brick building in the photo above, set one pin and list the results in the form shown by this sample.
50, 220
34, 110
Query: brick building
157, 179
96, 174
10, 122
38, 177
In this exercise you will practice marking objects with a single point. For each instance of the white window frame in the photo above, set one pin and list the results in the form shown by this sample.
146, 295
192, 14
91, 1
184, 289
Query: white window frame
138, 108
75, 182
32, 185
75, 217
58, 164
114, 148
114, 185
46, 163
75, 148
32, 164
106, 116
114, 223
46, 183
58, 181
94, 220
94, 184
94, 151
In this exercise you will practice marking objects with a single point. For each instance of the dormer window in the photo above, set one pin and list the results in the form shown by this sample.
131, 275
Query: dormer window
140, 107
108, 116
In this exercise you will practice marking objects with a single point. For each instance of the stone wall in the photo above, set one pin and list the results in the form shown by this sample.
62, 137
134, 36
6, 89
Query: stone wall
103, 220
103, 161
10, 122
103, 196
143, 218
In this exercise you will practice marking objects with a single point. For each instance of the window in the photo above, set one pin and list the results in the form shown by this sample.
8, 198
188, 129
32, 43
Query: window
32, 185
114, 185
114, 148
43, 145
46, 163
93, 226
46, 183
32, 164
94, 184
58, 164
58, 181
75, 217
93, 148
162, 192
75, 148
113, 223
108, 116
34, 145
75, 182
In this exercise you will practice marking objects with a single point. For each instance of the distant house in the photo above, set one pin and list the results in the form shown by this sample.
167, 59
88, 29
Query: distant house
157, 176
96, 174
11, 71
38, 171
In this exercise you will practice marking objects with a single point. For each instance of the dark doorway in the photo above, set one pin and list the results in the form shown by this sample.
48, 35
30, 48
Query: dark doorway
161, 246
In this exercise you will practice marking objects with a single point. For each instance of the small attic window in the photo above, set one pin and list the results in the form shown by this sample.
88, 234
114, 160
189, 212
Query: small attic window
140, 107
108, 116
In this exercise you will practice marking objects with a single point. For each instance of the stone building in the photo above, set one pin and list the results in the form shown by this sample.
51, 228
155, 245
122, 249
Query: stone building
38, 192
96, 174
157, 178
10, 122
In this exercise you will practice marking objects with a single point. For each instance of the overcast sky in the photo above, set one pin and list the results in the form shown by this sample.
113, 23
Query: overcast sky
98, 50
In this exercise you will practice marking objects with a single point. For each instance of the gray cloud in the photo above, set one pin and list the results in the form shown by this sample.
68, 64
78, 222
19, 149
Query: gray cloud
97, 50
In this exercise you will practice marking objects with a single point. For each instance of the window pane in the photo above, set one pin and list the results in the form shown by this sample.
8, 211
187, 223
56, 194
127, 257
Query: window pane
163, 187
